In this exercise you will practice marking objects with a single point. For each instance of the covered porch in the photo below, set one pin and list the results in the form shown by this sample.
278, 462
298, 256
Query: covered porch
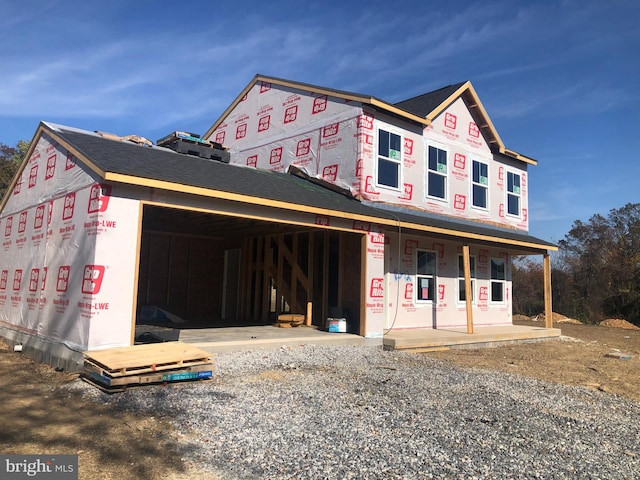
232, 339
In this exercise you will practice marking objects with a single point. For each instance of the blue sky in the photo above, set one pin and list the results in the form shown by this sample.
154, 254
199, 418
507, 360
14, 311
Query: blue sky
559, 79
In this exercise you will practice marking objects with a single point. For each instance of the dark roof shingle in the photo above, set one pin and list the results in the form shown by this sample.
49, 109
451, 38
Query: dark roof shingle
424, 104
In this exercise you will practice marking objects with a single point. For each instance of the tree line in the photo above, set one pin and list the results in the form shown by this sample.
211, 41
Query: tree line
10, 160
595, 274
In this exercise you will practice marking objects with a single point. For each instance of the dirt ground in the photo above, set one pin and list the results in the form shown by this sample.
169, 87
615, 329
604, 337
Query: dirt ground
579, 357
37, 417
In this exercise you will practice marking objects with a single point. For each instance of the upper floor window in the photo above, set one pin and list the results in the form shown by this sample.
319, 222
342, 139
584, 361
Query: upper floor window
462, 293
513, 193
437, 173
389, 159
480, 184
425, 275
498, 280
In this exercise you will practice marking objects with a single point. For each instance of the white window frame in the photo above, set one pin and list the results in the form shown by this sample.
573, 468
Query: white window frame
517, 194
428, 276
472, 261
496, 281
429, 172
398, 161
479, 185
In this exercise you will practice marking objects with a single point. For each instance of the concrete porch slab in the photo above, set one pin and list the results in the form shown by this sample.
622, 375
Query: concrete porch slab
423, 338
232, 339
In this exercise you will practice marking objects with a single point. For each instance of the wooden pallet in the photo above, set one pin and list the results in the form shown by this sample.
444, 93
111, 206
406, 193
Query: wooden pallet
122, 361
96, 376
120, 368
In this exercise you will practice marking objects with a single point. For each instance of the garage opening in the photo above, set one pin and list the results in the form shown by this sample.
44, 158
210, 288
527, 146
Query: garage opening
203, 270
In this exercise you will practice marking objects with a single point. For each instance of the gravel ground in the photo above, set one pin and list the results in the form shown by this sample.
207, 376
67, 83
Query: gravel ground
363, 413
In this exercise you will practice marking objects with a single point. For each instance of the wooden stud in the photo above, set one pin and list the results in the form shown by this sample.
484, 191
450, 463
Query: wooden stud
548, 308
308, 319
364, 291
467, 287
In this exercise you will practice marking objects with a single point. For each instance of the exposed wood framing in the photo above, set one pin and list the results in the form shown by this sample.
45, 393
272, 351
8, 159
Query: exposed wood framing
548, 307
467, 287
363, 285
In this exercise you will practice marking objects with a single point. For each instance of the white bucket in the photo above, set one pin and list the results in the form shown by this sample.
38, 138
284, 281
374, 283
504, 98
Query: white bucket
337, 325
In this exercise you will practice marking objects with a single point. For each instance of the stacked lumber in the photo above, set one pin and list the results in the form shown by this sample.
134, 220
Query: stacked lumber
116, 369
288, 320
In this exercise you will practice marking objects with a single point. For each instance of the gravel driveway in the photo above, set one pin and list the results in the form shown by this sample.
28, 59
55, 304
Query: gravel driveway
363, 413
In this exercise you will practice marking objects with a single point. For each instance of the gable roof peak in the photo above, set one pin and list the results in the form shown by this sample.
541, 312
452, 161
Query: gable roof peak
422, 105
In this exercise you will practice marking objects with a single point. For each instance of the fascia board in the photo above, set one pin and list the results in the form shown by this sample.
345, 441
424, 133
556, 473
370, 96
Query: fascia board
473, 236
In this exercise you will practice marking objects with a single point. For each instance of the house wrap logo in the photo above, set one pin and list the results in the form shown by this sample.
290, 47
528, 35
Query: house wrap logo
17, 280
62, 284
303, 147
474, 131
450, 121
365, 122
18, 187
220, 137
275, 156
99, 198
22, 222
92, 279
330, 173
264, 123
291, 114
38, 221
70, 162
33, 176
4, 277
34, 280
52, 467
265, 87
408, 146
51, 167
252, 161
69, 205
8, 225
319, 104
241, 131
377, 288
330, 130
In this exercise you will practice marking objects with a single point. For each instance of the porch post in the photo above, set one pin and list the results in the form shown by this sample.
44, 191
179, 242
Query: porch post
548, 309
467, 287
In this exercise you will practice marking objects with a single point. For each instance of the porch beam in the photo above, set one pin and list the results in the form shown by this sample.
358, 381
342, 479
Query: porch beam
468, 294
548, 308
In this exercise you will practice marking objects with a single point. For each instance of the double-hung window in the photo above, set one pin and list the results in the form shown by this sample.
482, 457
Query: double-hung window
462, 297
425, 275
513, 194
437, 173
480, 184
498, 280
389, 158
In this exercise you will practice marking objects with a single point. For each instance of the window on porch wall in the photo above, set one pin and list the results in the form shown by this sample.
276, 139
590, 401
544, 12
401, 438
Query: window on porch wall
425, 275
462, 294
498, 280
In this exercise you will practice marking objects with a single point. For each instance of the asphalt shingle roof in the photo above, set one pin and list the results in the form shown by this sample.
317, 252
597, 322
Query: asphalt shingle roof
424, 104
165, 165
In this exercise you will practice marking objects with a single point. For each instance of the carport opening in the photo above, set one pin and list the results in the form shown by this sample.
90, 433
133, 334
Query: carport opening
203, 270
